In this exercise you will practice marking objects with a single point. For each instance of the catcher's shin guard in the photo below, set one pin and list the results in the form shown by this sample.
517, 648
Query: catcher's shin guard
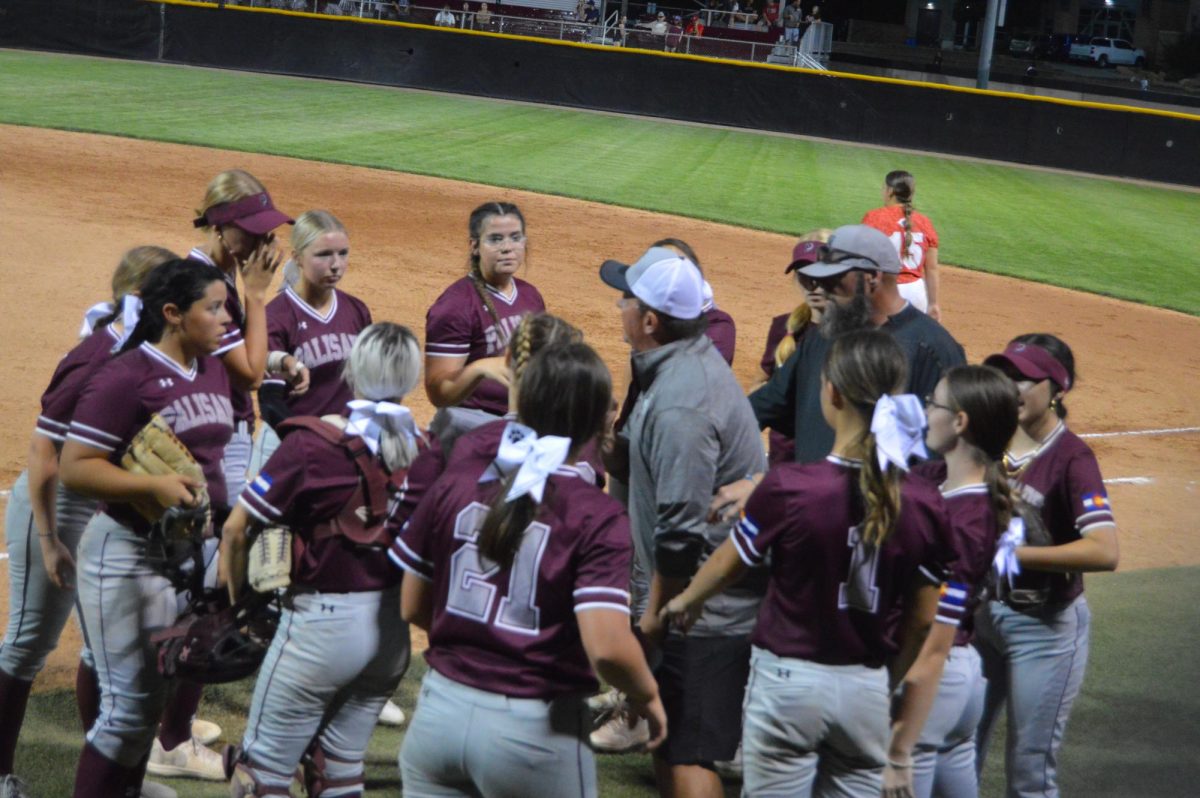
245, 784
317, 776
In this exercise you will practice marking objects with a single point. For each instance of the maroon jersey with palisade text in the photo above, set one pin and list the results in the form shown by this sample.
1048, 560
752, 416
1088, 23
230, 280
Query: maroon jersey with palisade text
123, 395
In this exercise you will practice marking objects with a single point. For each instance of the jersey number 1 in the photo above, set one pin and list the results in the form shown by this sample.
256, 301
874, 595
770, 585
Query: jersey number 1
472, 594
859, 591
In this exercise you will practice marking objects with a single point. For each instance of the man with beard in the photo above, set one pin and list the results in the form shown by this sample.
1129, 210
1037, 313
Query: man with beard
857, 271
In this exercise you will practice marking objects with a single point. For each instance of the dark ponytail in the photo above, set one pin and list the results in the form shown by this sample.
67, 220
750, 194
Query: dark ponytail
1058, 350
565, 390
863, 366
903, 187
991, 403
177, 282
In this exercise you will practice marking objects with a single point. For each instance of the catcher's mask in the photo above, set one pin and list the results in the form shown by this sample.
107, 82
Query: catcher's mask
213, 645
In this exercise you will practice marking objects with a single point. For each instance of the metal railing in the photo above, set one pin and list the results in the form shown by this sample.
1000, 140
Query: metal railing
812, 51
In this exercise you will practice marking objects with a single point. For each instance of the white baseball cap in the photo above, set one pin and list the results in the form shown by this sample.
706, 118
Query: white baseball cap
663, 279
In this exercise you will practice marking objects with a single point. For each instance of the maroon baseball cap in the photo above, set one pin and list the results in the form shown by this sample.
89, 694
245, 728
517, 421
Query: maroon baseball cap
255, 214
805, 252
1032, 362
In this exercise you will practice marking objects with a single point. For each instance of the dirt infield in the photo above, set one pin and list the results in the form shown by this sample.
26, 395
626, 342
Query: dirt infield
72, 203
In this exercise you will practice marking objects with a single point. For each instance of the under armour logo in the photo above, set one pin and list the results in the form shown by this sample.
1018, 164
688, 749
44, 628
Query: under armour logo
303, 325
327, 608
165, 382
783, 673
363, 514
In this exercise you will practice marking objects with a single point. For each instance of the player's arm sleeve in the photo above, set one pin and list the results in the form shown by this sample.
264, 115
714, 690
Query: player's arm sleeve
274, 496
602, 576
412, 549
763, 520
945, 565
105, 417
774, 403
419, 478
231, 339
683, 449
1089, 500
449, 329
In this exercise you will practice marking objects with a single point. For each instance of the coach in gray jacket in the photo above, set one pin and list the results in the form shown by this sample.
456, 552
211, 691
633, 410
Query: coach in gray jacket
691, 431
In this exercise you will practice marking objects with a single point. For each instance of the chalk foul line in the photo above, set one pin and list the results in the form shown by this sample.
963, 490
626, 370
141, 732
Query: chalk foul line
1129, 481
1131, 433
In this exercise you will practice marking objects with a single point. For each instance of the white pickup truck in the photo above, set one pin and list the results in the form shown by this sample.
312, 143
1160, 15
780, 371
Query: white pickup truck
1104, 51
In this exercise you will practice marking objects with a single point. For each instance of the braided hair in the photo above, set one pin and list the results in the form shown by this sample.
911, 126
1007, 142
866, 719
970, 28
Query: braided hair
475, 231
535, 332
903, 186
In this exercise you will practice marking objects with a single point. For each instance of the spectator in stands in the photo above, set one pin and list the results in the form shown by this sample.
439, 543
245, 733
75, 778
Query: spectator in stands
759, 21
467, 16
792, 17
591, 14
399, 9
733, 7
771, 12
621, 32
694, 27
814, 15
483, 18
445, 18
659, 26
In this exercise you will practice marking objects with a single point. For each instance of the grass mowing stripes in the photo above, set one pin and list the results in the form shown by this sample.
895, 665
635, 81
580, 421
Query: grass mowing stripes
1109, 237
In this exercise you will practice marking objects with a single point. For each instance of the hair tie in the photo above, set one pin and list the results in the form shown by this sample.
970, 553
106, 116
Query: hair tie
131, 312
533, 458
93, 315
1005, 561
898, 425
369, 419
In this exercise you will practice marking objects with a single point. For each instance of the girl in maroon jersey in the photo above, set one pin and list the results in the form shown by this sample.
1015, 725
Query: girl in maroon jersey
166, 368
848, 541
43, 520
519, 570
1034, 641
468, 327
972, 415
342, 647
788, 328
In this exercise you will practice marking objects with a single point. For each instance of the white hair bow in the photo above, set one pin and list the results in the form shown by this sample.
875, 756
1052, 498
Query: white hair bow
131, 311
536, 458
1005, 561
93, 315
899, 428
368, 419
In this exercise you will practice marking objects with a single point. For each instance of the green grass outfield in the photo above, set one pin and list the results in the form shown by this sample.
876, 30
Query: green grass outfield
1131, 241
1133, 732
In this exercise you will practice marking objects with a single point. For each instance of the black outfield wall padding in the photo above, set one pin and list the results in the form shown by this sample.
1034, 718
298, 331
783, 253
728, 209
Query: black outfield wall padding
987, 125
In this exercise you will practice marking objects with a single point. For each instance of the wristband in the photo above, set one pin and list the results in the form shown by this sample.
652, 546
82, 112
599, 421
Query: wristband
275, 362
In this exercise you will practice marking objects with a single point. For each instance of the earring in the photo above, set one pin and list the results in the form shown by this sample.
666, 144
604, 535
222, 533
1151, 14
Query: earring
1055, 405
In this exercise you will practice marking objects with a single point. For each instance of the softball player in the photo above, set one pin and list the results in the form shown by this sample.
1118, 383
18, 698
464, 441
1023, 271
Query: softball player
521, 579
341, 647
971, 417
166, 368
847, 541
915, 239
311, 327
237, 217
468, 327
786, 329
42, 572
1034, 643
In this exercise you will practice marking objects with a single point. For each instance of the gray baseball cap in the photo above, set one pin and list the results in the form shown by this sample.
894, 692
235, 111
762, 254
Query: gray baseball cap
855, 246
663, 279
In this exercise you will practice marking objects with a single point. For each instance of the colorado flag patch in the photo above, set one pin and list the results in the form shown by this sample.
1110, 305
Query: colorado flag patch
1095, 501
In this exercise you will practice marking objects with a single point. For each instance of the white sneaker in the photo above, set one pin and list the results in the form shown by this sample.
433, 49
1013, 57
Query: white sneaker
12, 787
616, 737
205, 732
604, 703
391, 715
152, 789
187, 760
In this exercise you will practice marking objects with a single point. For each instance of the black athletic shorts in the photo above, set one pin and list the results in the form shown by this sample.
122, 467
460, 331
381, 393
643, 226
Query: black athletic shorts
702, 681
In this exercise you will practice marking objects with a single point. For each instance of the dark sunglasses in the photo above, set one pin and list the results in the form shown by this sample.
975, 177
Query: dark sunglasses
826, 284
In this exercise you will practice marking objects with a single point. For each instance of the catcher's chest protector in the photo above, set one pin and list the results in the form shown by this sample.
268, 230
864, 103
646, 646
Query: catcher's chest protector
362, 518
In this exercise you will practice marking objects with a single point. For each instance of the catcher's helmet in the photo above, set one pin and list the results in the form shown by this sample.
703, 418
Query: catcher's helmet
213, 646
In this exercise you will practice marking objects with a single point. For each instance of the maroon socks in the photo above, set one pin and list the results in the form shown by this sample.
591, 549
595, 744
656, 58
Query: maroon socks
100, 777
176, 725
14, 696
